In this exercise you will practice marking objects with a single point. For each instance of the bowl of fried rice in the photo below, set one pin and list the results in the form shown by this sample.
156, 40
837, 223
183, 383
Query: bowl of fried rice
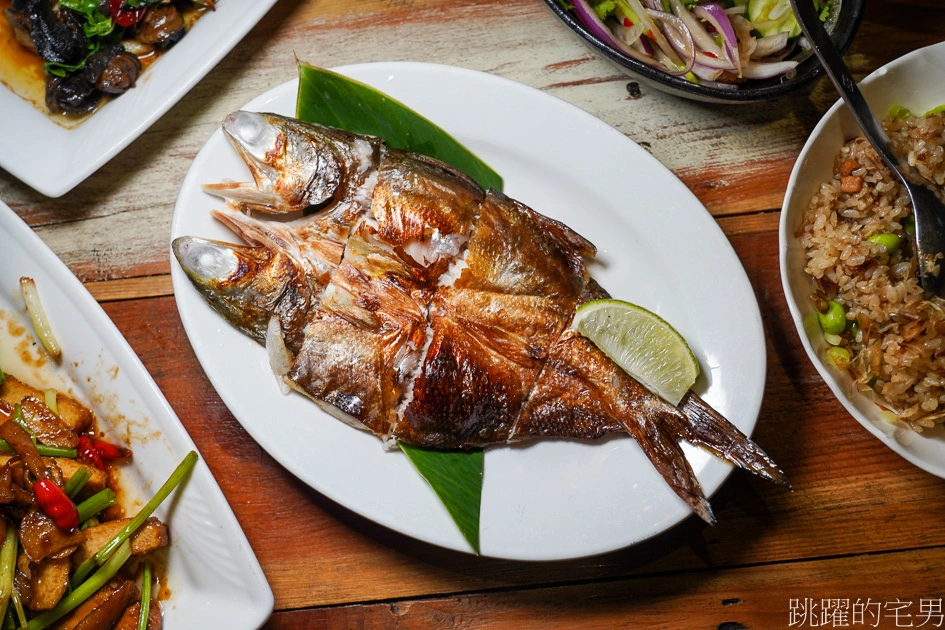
848, 262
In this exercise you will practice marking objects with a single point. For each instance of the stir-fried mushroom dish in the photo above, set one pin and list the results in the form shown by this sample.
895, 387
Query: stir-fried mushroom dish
97, 48
69, 557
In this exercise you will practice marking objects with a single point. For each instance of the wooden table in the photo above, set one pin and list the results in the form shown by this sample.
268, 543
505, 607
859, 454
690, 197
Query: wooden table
861, 525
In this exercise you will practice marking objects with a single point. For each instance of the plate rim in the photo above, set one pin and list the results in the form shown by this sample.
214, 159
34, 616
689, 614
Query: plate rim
707, 222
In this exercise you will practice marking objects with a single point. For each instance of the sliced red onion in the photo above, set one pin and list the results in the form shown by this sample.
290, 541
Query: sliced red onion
715, 15
758, 70
730, 87
784, 53
645, 45
770, 45
678, 37
742, 27
705, 72
589, 18
629, 36
713, 62
702, 39
654, 32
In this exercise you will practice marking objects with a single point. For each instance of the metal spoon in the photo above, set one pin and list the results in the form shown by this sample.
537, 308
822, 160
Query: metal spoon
927, 207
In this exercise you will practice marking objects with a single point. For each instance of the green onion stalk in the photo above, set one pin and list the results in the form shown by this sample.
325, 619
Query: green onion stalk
18, 606
77, 481
7, 567
145, 596
50, 396
138, 520
45, 451
99, 501
88, 588
20, 419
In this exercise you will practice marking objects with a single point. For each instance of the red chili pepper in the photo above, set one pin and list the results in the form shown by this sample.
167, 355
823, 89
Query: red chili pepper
124, 17
56, 504
88, 454
109, 451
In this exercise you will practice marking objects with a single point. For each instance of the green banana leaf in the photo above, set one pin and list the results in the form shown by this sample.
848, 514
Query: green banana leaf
330, 99
333, 100
456, 477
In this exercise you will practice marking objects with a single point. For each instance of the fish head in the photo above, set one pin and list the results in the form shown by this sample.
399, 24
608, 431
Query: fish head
245, 284
294, 164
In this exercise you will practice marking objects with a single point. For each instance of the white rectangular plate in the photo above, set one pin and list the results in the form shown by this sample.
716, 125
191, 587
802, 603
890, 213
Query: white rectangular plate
54, 160
214, 579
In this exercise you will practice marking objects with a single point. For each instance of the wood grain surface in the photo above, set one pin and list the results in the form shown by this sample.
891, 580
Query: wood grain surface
861, 525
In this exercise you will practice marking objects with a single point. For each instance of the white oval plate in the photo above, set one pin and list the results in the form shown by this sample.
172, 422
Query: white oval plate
904, 82
658, 248
53, 160
214, 579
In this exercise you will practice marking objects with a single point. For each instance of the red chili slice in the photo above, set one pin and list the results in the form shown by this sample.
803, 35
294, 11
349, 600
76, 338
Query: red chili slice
110, 452
124, 17
88, 454
57, 505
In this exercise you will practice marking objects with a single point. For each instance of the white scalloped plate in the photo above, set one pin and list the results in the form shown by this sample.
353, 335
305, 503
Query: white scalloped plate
658, 247
214, 579
54, 160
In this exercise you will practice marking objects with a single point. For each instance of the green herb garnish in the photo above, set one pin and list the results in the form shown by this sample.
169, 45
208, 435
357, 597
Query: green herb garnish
604, 9
99, 29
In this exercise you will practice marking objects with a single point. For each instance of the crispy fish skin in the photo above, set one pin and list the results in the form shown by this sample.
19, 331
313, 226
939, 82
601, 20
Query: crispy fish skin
443, 320
487, 350
416, 197
370, 326
491, 330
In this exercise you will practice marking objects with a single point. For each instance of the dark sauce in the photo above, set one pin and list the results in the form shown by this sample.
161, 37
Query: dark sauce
21, 70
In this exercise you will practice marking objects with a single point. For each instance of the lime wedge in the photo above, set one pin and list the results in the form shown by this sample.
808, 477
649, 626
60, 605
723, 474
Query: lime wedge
642, 343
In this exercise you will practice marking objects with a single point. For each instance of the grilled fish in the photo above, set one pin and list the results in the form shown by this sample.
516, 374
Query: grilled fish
407, 301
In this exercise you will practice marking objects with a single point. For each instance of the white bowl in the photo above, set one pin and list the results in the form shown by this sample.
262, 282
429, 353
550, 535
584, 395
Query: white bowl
909, 81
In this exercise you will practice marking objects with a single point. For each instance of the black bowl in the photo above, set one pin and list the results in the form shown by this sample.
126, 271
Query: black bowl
848, 20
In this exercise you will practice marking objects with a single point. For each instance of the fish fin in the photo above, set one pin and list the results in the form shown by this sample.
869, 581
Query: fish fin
247, 193
253, 231
709, 429
659, 439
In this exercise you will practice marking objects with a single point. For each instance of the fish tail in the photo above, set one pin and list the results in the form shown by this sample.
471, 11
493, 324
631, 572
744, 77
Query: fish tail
706, 427
659, 438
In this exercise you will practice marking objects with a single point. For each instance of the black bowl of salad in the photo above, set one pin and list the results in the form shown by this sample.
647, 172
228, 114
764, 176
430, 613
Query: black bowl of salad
721, 51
